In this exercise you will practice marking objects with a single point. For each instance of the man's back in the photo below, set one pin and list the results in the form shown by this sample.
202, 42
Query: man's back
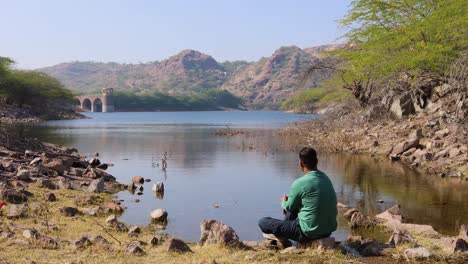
314, 198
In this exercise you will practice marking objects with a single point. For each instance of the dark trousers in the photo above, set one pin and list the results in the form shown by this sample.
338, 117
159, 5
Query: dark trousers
288, 228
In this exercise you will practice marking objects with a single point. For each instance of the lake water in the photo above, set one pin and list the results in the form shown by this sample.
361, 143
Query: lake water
244, 175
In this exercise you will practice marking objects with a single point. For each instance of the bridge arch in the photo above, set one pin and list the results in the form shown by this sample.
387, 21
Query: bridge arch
102, 103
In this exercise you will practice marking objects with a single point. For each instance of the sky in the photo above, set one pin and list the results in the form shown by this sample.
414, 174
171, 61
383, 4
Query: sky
39, 33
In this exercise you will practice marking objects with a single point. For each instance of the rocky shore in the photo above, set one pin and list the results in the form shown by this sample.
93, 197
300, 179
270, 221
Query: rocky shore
60, 207
428, 132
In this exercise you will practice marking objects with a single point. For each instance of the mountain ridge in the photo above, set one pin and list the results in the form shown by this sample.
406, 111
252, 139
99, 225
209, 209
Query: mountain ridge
263, 83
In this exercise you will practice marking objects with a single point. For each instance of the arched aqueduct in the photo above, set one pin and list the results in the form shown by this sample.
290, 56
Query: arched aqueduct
98, 103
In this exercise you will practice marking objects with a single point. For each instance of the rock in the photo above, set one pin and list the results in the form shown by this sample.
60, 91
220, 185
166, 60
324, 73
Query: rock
215, 232
103, 166
409, 152
454, 152
153, 241
96, 185
426, 230
459, 245
158, 187
391, 215
30, 233
82, 243
111, 219
134, 231
94, 162
23, 174
177, 245
56, 165
322, 243
147, 180
17, 211
90, 172
68, 211
288, 250
89, 211
399, 237
463, 232
442, 90
97, 239
403, 105
35, 161
404, 146
417, 253
138, 180
348, 214
13, 196
114, 207
359, 220
362, 246
159, 215
50, 197
134, 250
49, 184
442, 133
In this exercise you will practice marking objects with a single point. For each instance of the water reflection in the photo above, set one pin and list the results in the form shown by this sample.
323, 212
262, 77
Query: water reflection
244, 176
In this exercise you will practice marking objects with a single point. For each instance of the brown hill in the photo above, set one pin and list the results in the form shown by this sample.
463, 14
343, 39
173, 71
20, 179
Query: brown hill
265, 83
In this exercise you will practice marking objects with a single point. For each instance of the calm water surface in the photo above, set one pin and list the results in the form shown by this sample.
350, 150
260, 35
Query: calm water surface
244, 175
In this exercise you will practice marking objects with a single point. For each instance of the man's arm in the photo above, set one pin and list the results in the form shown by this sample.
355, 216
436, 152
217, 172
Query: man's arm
293, 203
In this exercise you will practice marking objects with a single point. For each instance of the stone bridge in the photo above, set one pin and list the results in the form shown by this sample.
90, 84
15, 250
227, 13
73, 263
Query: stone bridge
98, 103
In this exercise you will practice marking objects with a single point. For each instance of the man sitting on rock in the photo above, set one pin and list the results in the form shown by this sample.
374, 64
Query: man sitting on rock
309, 209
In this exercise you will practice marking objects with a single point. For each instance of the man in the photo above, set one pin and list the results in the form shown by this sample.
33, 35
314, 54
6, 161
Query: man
309, 209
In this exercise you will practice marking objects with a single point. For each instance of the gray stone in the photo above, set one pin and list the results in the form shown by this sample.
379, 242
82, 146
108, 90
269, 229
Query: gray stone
391, 215
214, 232
417, 253
17, 211
96, 185
23, 174
134, 231
134, 250
30, 233
399, 237
177, 245
403, 105
89, 211
35, 161
68, 211
159, 215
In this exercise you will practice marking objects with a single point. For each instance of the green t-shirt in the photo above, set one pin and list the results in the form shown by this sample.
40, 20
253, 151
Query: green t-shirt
314, 198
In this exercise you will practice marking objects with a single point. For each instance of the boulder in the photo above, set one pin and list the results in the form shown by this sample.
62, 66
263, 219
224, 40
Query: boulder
17, 211
50, 197
322, 243
391, 215
138, 180
159, 215
214, 232
359, 246
103, 166
400, 148
56, 165
459, 245
417, 253
94, 162
403, 105
158, 187
89, 211
134, 231
132, 249
30, 233
96, 185
23, 174
399, 237
177, 245
68, 211
49, 184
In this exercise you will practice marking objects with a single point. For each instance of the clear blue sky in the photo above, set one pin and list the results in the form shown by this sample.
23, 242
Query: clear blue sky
39, 33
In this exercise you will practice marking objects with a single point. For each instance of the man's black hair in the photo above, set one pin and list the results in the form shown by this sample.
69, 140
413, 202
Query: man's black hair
308, 156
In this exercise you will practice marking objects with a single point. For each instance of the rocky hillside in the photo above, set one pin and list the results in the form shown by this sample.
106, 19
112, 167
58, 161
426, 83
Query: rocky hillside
266, 82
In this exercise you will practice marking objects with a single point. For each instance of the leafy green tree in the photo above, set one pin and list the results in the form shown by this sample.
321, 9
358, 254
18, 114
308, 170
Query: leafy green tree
401, 36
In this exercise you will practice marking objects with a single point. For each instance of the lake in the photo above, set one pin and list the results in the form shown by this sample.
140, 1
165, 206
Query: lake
245, 175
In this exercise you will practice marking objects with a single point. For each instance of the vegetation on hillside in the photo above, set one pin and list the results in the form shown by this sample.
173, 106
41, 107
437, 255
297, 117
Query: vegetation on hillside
29, 87
212, 99
392, 44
